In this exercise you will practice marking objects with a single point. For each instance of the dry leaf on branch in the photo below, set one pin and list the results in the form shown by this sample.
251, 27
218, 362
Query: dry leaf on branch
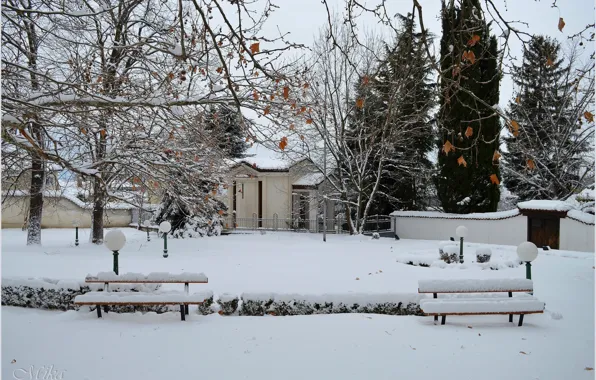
561, 24
549, 62
496, 156
360, 103
255, 48
283, 143
461, 161
494, 179
286, 92
469, 132
531, 164
589, 117
475, 38
448, 147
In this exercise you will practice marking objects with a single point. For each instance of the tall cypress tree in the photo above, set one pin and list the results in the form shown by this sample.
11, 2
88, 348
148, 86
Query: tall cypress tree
406, 63
468, 178
544, 152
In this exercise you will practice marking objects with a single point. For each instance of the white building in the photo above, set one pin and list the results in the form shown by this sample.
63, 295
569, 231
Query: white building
275, 194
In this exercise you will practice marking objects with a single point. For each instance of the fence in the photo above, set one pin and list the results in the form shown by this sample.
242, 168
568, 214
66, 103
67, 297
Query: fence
334, 225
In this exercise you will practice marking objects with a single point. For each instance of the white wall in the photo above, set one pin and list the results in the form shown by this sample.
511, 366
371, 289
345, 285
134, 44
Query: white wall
276, 197
59, 212
510, 231
247, 198
576, 236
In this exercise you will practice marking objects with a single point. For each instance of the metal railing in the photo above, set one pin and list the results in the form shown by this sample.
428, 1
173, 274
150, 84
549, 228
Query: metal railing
334, 225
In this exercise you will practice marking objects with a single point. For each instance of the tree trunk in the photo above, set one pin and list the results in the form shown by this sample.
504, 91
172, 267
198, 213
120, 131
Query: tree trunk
36, 196
98, 210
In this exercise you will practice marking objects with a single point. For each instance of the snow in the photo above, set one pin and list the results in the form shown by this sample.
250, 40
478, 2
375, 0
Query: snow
263, 158
480, 305
483, 251
451, 249
436, 214
151, 277
127, 298
69, 195
580, 216
559, 343
310, 179
176, 50
545, 205
474, 285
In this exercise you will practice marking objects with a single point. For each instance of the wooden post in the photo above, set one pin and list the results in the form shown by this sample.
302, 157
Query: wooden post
98, 311
443, 319
436, 316
183, 318
521, 320
510, 315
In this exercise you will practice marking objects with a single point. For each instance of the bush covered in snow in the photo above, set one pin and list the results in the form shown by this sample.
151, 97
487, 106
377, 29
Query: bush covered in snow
53, 294
450, 254
294, 304
483, 255
228, 303
376, 236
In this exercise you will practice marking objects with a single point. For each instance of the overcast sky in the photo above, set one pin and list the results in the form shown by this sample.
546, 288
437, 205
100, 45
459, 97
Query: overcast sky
303, 19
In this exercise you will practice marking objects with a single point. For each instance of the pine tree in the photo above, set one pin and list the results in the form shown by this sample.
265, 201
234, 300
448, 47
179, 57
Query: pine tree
546, 149
468, 178
405, 186
226, 122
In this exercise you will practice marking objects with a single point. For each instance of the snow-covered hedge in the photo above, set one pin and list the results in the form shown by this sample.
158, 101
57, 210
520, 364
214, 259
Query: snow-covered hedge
228, 304
54, 294
255, 304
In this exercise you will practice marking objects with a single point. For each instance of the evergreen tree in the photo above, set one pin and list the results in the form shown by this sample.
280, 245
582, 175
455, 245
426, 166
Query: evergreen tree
546, 150
468, 178
226, 122
405, 181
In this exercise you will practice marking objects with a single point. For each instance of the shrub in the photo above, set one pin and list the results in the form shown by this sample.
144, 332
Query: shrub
483, 255
450, 254
376, 236
228, 304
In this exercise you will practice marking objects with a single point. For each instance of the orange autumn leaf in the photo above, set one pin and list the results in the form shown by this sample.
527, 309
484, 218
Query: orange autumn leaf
293, 105
219, 70
496, 156
267, 110
531, 164
102, 133
469, 56
214, 192
365, 80
469, 132
255, 48
514, 128
308, 121
302, 109
171, 76
306, 85
255, 95
220, 212
283, 143
494, 179
475, 38
286, 92
360, 103
518, 99
292, 127
462, 161
561, 24
272, 97
302, 137
84, 131
448, 147
589, 117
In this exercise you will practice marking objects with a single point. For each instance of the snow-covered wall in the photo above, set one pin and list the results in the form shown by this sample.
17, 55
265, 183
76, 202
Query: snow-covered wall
59, 212
576, 236
495, 228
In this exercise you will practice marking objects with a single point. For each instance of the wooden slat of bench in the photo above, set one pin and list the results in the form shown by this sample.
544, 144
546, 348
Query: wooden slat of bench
144, 282
479, 291
488, 313
115, 302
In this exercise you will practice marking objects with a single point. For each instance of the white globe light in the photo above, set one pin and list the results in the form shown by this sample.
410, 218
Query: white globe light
147, 223
115, 240
165, 227
527, 251
461, 231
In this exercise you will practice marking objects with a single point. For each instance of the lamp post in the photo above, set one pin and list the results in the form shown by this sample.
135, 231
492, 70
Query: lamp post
75, 224
115, 240
527, 252
165, 227
461, 233
147, 223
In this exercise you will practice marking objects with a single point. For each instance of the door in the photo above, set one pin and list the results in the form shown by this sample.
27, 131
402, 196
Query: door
544, 231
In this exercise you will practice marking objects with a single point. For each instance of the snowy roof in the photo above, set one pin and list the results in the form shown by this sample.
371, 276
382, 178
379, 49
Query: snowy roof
260, 157
582, 217
545, 205
442, 215
310, 179
71, 197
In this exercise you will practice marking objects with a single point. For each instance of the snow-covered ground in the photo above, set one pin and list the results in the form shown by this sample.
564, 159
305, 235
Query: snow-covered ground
555, 345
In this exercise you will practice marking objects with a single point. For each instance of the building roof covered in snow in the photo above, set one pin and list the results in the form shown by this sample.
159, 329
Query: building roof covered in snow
310, 179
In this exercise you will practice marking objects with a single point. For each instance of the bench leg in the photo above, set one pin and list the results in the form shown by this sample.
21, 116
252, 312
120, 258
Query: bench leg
443, 319
521, 320
186, 309
182, 316
510, 315
106, 308
98, 311
436, 318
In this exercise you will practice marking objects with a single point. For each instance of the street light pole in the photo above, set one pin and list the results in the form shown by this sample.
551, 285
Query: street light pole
115, 240
165, 227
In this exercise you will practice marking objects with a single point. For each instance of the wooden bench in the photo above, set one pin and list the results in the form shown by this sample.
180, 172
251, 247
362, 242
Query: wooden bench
479, 305
107, 298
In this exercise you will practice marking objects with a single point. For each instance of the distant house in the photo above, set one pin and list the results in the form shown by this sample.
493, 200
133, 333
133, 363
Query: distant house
275, 194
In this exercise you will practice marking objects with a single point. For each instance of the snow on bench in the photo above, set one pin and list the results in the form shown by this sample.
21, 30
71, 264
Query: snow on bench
471, 306
125, 298
475, 286
155, 277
